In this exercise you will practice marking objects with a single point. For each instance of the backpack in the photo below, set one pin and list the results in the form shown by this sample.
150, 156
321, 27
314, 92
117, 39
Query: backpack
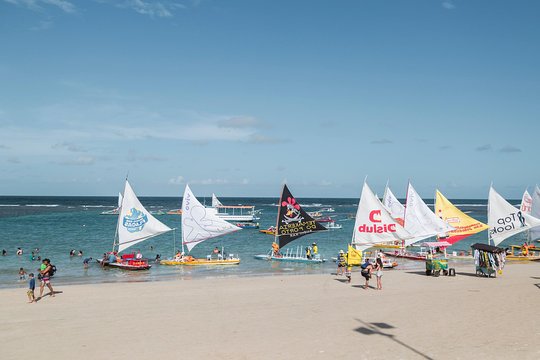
364, 265
52, 271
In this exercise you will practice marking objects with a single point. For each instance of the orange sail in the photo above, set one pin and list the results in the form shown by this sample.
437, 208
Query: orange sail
464, 224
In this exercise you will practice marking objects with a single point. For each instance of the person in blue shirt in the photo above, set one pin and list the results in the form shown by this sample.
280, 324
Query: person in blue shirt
31, 288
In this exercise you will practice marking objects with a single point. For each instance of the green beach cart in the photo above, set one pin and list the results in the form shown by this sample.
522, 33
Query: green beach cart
435, 266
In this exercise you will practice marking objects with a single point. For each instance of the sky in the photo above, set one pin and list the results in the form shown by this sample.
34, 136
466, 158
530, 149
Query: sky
237, 97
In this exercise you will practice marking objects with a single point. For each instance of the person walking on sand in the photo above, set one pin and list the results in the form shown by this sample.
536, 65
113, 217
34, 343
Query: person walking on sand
379, 272
367, 269
341, 263
46, 278
31, 288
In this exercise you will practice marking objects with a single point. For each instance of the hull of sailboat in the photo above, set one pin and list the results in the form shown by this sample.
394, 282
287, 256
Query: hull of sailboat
387, 246
410, 256
290, 259
268, 232
522, 258
201, 262
124, 266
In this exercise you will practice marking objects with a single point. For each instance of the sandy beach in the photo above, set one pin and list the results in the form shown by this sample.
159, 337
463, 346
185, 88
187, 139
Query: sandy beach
282, 317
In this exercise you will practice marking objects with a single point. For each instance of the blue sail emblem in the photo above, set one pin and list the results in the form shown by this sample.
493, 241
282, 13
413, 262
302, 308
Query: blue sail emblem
134, 220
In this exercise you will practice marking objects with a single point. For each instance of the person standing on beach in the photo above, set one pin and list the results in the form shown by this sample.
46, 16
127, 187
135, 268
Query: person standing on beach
46, 278
31, 288
379, 272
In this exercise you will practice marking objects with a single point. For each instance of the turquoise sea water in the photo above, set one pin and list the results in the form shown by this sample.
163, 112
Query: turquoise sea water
56, 225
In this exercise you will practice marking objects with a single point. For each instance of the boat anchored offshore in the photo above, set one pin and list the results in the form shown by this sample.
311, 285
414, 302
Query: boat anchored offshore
116, 210
200, 224
243, 213
292, 223
135, 224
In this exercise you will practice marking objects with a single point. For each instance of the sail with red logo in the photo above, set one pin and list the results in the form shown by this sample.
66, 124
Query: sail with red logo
292, 221
374, 224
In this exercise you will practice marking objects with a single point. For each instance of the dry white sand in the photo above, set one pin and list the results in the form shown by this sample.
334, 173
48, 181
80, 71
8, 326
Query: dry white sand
282, 317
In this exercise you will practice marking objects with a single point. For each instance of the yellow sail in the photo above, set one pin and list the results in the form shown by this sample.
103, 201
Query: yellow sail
464, 224
354, 257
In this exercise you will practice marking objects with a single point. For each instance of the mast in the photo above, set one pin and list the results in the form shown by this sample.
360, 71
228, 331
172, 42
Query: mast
115, 241
277, 216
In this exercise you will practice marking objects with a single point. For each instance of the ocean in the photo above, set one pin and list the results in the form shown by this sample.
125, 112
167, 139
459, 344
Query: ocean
57, 225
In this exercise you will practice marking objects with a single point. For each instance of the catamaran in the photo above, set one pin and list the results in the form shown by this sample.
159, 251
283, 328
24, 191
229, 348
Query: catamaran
200, 224
235, 213
292, 223
505, 220
135, 224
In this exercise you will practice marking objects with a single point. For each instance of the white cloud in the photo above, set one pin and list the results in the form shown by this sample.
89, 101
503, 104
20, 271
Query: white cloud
80, 161
239, 122
69, 147
448, 5
37, 5
161, 9
210, 181
179, 180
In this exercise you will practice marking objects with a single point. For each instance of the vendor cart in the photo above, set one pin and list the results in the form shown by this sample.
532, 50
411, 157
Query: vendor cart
488, 259
435, 266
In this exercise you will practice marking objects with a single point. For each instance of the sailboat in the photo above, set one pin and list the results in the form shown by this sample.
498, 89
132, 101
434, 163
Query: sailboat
135, 224
526, 202
505, 220
200, 224
420, 221
117, 209
464, 225
397, 211
374, 224
292, 223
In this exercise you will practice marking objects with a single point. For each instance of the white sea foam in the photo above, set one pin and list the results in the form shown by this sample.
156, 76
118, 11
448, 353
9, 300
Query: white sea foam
42, 205
9, 205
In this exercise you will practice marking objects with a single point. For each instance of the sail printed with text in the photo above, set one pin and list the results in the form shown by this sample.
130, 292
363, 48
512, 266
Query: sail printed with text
505, 220
200, 223
534, 234
463, 224
420, 221
374, 223
135, 223
396, 209
293, 221
526, 203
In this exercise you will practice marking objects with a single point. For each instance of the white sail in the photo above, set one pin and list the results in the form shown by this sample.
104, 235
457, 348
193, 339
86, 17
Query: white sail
215, 201
526, 203
120, 200
396, 209
420, 221
374, 223
505, 220
200, 223
535, 212
135, 223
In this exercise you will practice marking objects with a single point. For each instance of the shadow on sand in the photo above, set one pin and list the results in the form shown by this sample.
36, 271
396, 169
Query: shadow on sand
39, 298
380, 328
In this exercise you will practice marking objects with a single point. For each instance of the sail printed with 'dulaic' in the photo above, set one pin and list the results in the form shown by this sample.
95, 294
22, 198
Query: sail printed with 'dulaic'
200, 223
374, 223
135, 223
293, 221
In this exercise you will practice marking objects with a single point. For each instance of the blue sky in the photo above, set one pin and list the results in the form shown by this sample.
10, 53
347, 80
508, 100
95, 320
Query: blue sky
235, 97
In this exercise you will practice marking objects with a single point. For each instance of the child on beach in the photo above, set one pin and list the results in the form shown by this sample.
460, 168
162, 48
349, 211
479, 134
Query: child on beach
348, 273
31, 288
22, 274
379, 272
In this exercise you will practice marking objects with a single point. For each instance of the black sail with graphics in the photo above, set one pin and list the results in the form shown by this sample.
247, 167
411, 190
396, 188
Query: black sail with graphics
293, 222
